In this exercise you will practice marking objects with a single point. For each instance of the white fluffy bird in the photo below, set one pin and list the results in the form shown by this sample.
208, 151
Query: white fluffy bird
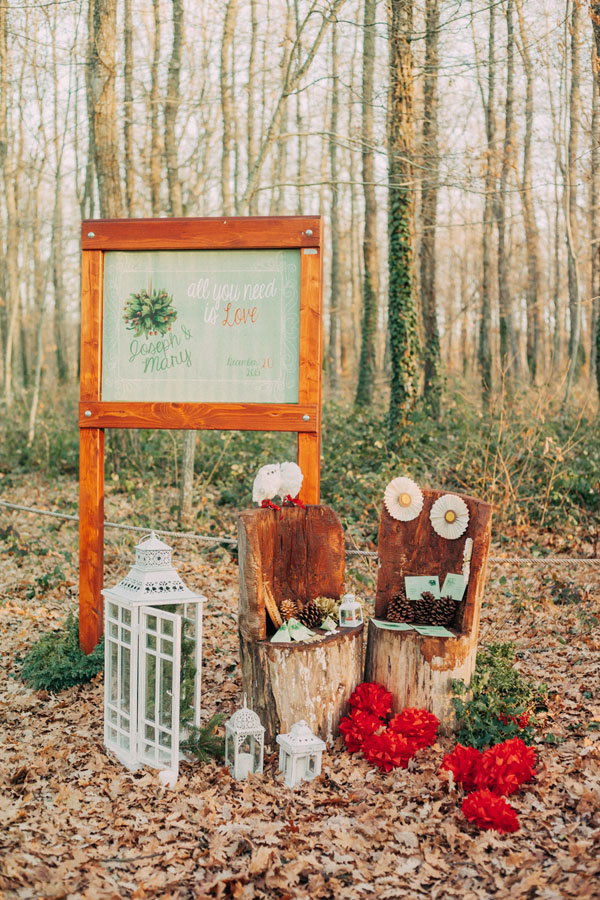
291, 481
266, 484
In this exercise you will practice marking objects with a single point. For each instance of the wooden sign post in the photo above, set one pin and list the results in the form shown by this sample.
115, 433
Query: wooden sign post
194, 323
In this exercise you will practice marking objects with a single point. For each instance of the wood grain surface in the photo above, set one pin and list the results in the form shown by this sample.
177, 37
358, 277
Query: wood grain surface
214, 233
201, 416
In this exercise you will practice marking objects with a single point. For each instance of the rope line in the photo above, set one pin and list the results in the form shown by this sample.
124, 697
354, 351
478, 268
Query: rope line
366, 554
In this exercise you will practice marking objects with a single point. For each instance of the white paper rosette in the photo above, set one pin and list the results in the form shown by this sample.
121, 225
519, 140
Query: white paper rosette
449, 516
403, 499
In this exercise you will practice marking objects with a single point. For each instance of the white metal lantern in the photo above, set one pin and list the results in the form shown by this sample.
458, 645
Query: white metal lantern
350, 612
244, 743
153, 661
300, 754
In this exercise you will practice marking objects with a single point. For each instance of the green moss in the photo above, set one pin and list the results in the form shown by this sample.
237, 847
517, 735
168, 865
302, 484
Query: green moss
56, 662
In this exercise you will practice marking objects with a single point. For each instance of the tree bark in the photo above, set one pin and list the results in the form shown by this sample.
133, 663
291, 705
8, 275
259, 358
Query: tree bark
509, 355
227, 107
367, 363
101, 84
534, 313
172, 102
595, 16
429, 188
130, 203
155, 141
571, 205
402, 316
334, 294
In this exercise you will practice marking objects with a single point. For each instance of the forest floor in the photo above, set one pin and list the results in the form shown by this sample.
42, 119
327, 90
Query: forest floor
75, 824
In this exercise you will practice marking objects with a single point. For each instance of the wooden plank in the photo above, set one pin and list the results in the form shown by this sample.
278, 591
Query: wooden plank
91, 325
310, 371
222, 233
91, 536
227, 416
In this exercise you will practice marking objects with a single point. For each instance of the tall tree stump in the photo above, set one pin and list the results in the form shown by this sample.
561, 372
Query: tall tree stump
296, 554
419, 670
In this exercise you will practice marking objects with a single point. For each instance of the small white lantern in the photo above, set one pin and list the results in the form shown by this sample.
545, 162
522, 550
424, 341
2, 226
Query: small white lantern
152, 662
300, 754
244, 743
350, 612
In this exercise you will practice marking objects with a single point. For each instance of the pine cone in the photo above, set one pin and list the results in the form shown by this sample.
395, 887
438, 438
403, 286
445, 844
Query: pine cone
328, 606
310, 615
443, 611
400, 609
288, 610
423, 608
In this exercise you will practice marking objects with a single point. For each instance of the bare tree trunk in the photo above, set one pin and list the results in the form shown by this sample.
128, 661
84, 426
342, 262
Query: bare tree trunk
571, 205
294, 74
155, 141
509, 355
128, 110
367, 363
250, 123
172, 103
485, 327
429, 188
534, 324
595, 16
334, 295
594, 239
102, 70
227, 107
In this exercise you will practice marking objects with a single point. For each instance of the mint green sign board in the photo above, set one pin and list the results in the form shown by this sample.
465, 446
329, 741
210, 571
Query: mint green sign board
199, 326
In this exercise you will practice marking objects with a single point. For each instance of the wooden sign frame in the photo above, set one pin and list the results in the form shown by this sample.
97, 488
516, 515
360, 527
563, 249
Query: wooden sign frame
304, 417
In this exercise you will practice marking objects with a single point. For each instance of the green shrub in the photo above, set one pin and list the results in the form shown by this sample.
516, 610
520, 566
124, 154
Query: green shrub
55, 662
488, 711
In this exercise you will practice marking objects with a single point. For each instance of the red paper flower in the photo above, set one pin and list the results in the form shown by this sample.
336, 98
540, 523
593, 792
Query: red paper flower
463, 763
417, 724
373, 698
505, 767
388, 750
358, 726
490, 812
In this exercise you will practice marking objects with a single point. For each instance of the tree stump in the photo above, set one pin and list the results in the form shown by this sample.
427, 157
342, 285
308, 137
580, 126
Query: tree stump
419, 670
296, 554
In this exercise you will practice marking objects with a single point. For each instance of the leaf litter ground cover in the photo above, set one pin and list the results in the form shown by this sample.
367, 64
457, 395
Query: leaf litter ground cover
74, 823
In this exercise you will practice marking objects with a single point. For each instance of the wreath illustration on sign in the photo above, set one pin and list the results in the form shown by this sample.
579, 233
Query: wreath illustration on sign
149, 312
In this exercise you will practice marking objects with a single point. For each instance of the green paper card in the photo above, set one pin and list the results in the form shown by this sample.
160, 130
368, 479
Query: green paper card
454, 586
298, 631
433, 631
392, 626
282, 635
418, 584
328, 624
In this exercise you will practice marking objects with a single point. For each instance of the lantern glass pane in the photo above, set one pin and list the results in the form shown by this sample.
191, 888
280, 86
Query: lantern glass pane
244, 764
166, 647
228, 746
113, 629
167, 627
112, 716
126, 616
113, 673
125, 679
150, 686
126, 635
151, 641
256, 747
188, 671
165, 712
149, 732
113, 610
164, 739
112, 735
151, 623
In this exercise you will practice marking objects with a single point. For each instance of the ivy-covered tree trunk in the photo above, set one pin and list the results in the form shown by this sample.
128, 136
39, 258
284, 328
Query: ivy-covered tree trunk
366, 366
402, 316
431, 338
